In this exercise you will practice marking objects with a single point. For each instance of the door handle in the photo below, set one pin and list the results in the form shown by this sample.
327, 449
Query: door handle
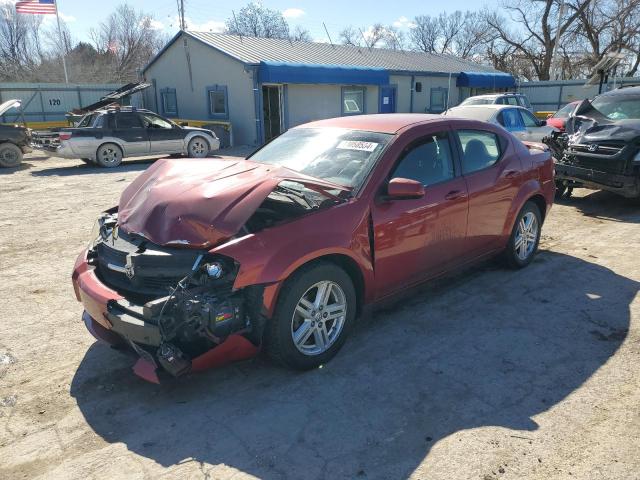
454, 195
510, 174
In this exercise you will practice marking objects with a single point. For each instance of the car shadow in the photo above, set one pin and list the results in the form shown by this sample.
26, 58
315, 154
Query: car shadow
605, 206
489, 347
85, 169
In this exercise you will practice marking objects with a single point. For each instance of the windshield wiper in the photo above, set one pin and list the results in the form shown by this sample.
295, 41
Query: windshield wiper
299, 194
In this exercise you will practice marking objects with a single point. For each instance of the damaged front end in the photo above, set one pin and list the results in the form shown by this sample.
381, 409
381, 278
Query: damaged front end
597, 152
174, 302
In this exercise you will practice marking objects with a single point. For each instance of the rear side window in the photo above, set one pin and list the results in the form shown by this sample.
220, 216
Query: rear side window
510, 119
429, 161
512, 101
128, 120
480, 148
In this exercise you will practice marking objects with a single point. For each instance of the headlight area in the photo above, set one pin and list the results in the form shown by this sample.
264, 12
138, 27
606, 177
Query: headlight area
178, 305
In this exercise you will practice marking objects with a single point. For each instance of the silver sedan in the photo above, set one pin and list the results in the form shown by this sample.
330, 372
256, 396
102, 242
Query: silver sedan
517, 120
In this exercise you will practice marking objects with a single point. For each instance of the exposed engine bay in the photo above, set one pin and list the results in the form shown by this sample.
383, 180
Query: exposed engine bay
178, 302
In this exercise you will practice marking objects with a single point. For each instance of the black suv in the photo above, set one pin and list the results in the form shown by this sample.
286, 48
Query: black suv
14, 139
601, 146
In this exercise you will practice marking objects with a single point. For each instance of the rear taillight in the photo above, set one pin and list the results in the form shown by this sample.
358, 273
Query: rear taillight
65, 135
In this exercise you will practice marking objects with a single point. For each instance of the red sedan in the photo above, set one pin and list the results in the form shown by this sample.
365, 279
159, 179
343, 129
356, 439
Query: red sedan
206, 261
559, 119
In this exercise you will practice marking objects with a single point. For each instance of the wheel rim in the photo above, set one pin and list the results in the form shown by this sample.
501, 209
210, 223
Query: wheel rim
526, 236
9, 155
197, 148
318, 318
109, 155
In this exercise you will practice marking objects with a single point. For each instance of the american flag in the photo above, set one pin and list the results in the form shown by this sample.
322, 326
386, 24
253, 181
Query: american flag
37, 7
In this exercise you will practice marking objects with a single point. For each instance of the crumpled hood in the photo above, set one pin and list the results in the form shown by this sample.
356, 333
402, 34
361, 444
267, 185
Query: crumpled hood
199, 203
587, 124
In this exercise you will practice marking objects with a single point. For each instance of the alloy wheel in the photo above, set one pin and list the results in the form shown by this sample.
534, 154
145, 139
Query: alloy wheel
526, 236
198, 148
318, 318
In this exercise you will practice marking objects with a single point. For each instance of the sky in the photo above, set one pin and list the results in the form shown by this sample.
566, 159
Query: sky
82, 15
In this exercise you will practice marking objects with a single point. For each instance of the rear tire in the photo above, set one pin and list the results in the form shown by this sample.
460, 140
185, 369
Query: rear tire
10, 155
198, 147
314, 315
525, 237
109, 155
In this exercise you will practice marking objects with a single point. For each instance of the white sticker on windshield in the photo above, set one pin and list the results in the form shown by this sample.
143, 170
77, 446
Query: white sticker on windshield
355, 145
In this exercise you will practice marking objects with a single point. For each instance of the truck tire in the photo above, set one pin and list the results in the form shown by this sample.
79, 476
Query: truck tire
10, 155
109, 155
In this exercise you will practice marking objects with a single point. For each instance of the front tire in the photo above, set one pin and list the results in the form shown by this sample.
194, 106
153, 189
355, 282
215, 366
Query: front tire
525, 237
198, 147
10, 155
109, 155
313, 317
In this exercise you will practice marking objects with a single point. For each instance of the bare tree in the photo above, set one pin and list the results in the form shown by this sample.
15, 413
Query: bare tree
608, 26
537, 22
350, 36
256, 20
300, 34
425, 35
127, 41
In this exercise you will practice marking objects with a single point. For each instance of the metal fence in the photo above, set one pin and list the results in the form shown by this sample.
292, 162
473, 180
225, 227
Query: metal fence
552, 95
48, 102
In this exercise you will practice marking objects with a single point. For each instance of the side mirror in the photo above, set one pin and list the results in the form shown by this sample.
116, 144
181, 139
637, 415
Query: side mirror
404, 188
542, 123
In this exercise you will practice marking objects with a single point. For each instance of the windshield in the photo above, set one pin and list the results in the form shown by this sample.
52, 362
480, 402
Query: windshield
336, 155
618, 107
478, 101
565, 111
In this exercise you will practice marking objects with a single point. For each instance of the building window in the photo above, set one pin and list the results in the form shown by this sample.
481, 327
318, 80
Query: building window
438, 99
418, 87
169, 102
218, 102
353, 100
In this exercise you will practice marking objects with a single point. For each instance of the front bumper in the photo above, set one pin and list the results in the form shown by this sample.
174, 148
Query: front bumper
625, 185
113, 320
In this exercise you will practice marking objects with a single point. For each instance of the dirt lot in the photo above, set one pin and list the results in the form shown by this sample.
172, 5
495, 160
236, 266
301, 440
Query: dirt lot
491, 374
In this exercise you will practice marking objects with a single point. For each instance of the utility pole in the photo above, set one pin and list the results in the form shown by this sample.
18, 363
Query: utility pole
183, 26
554, 66
63, 44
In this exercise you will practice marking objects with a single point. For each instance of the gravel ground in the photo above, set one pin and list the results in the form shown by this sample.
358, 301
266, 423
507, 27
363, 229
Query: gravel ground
489, 374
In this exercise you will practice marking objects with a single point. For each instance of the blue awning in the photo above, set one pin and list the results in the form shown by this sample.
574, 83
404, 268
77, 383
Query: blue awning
275, 72
485, 80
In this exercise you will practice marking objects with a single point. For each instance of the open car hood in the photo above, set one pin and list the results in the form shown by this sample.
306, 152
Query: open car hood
200, 203
9, 104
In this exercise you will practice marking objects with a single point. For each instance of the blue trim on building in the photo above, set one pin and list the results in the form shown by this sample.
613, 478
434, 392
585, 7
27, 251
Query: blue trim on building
485, 80
275, 72
218, 88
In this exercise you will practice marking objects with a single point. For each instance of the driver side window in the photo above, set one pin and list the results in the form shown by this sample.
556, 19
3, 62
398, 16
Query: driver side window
429, 161
151, 121
528, 119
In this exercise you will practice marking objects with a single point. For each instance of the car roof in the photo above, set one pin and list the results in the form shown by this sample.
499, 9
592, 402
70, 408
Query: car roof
492, 106
635, 90
381, 122
496, 95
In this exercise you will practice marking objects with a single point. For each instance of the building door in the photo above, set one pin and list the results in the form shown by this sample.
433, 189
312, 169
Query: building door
388, 99
272, 111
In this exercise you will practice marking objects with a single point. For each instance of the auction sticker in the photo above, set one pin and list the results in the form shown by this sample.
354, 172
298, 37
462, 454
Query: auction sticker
355, 145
